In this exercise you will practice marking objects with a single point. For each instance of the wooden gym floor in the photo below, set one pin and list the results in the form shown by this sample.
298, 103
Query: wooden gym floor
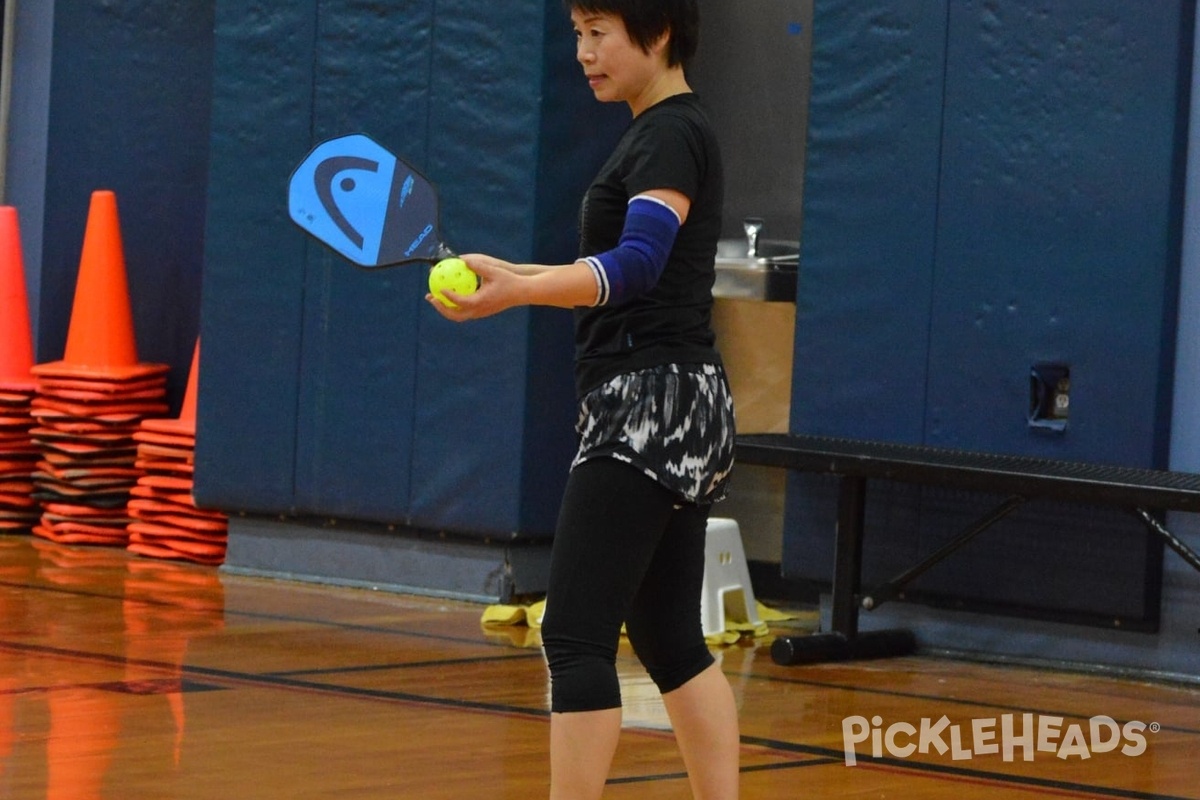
122, 677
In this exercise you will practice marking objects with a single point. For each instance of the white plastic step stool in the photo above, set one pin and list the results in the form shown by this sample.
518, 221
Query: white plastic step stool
727, 593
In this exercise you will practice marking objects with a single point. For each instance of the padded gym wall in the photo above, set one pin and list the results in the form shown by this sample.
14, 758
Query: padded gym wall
993, 186
114, 96
870, 215
339, 393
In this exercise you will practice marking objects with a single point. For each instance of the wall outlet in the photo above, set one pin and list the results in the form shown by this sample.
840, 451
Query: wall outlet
1049, 396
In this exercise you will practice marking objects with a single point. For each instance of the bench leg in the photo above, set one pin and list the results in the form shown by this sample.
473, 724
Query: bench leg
1173, 541
844, 642
847, 567
893, 588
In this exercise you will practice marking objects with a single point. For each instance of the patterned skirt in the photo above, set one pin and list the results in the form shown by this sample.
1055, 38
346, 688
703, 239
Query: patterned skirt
674, 422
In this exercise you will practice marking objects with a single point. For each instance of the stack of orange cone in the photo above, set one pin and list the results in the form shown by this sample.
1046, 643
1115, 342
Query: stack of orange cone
89, 405
167, 523
18, 509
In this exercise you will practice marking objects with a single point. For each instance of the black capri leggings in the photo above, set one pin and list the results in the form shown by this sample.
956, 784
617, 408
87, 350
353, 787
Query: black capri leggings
622, 553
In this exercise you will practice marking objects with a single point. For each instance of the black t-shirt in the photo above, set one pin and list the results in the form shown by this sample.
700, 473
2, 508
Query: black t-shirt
668, 146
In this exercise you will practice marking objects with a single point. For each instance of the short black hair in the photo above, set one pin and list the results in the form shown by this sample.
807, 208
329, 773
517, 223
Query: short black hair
646, 20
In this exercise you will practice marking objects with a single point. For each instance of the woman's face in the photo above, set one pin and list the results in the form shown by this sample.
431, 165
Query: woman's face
617, 69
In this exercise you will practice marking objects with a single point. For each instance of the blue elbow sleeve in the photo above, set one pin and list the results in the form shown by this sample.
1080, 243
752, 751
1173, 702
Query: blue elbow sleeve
636, 263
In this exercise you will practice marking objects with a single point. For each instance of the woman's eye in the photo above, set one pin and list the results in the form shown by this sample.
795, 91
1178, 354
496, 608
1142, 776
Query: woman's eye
593, 33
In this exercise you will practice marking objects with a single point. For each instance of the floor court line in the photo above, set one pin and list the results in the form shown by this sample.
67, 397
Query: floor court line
255, 615
273, 681
825, 756
753, 675
483, 642
405, 665
666, 776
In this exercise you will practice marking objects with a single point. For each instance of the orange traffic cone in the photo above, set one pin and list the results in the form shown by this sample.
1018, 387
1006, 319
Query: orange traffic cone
18, 454
89, 405
185, 424
166, 522
16, 343
100, 341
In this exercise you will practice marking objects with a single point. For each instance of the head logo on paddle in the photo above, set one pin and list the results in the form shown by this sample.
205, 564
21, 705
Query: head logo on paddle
365, 203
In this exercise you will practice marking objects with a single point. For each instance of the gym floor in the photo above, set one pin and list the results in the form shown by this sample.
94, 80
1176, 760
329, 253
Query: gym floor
125, 677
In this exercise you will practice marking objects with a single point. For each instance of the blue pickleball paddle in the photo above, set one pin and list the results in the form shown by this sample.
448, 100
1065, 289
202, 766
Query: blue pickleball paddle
368, 205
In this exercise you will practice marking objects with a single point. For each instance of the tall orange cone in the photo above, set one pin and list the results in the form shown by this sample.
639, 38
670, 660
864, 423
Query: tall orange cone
100, 341
18, 454
16, 343
88, 405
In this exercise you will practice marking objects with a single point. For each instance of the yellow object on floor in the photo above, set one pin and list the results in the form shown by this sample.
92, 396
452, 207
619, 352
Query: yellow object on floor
503, 615
531, 616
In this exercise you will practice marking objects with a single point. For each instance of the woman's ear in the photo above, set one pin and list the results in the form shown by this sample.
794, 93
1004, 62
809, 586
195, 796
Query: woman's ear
659, 46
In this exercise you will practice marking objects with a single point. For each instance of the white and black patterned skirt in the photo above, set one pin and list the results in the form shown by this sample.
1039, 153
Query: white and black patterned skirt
674, 422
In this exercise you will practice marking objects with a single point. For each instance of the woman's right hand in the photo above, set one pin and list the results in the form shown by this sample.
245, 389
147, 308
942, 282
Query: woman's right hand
500, 288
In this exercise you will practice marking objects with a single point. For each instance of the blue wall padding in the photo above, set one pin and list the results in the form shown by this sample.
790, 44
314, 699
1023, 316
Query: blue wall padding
374, 407
125, 90
870, 212
483, 146
1016, 202
356, 391
254, 279
1057, 229
357, 383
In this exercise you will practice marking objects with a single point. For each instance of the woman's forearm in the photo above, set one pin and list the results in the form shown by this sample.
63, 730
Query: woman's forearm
534, 269
561, 286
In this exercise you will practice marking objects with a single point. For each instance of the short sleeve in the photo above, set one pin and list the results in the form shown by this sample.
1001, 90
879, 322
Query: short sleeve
668, 154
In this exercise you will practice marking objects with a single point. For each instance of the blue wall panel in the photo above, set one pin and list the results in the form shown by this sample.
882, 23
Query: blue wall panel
254, 279
1057, 236
1057, 242
483, 143
357, 381
356, 390
870, 204
373, 407
1054, 231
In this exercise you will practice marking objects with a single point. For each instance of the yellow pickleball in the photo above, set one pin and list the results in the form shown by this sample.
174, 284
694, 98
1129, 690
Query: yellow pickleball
452, 274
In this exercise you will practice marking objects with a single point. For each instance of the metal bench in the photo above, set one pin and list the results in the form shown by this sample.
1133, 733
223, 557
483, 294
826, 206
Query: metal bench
1139, 491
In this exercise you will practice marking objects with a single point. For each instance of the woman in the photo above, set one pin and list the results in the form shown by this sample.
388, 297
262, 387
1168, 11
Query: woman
656, 419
